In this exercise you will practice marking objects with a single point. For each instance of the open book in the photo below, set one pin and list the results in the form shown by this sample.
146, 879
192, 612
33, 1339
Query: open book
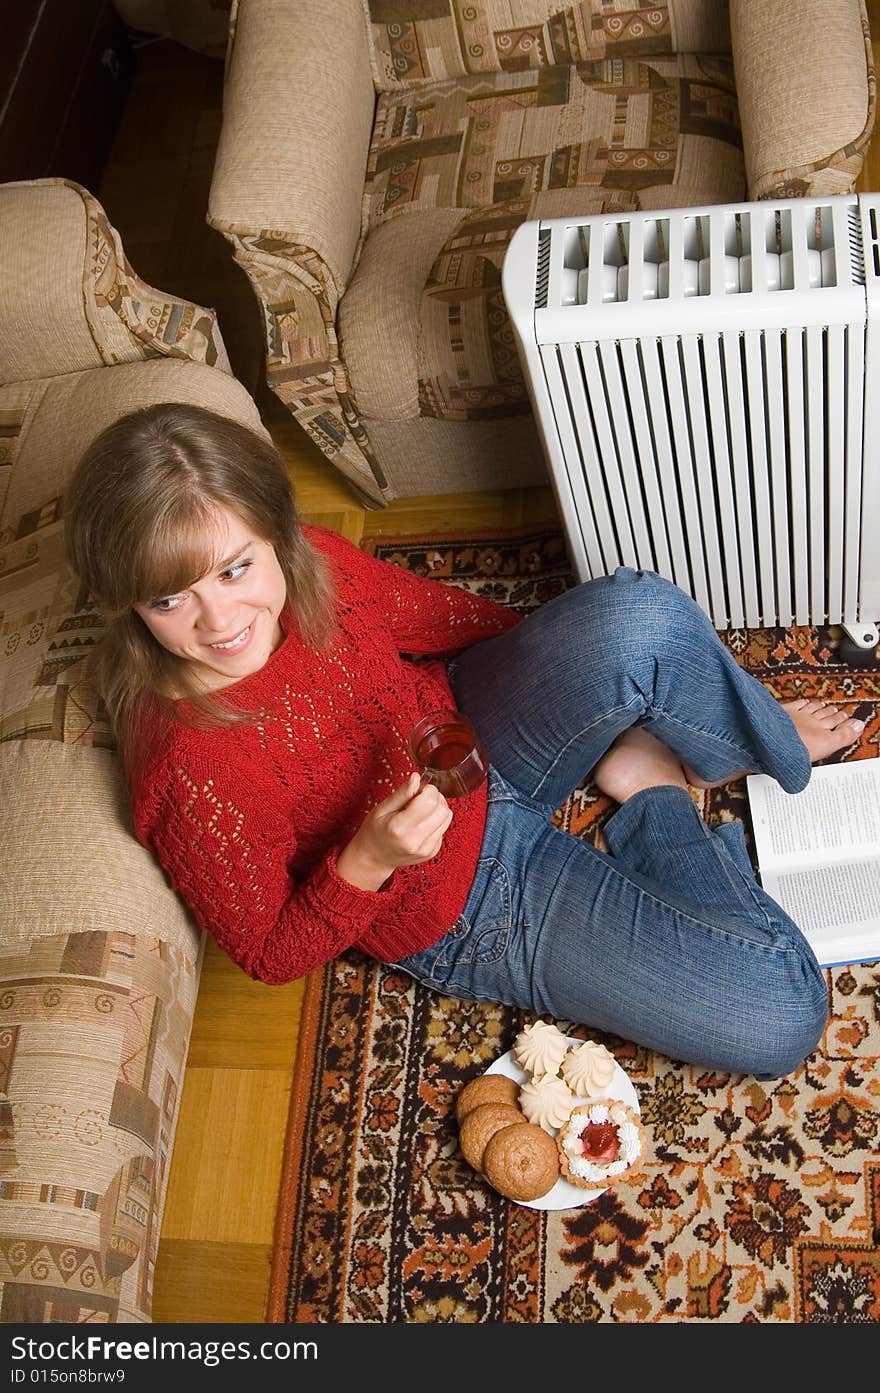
819, 856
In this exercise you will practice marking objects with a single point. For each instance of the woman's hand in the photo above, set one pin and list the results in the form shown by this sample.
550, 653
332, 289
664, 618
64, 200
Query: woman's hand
403, 830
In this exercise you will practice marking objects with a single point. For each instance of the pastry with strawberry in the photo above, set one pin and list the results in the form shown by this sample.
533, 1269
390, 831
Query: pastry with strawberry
599, 1143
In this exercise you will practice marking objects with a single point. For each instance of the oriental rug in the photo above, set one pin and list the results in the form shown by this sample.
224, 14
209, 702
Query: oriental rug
757, 1202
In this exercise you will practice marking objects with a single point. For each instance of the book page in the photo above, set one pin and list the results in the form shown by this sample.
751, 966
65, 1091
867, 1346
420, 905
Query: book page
837, 813
836, 907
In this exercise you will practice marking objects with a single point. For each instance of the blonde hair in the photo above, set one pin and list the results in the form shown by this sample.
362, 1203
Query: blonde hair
138, 517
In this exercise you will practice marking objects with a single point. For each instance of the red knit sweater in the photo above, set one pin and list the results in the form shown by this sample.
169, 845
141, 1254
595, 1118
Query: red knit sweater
248, 821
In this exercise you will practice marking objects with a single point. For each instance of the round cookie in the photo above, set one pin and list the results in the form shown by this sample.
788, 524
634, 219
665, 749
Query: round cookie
480, 1125
521, 1161
488, 1088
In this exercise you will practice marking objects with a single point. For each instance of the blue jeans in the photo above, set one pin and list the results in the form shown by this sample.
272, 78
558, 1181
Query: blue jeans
668, 940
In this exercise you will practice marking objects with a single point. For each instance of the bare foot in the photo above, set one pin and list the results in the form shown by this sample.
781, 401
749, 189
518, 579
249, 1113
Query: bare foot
824, 729
636, 761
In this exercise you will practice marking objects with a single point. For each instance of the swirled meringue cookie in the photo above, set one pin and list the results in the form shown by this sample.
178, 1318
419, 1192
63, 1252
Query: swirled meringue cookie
547, 1101
588, 1069
540, 1049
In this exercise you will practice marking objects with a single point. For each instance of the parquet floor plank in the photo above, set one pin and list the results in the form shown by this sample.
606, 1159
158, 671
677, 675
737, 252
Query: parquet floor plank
226, 1164
211, 1282
240, 1023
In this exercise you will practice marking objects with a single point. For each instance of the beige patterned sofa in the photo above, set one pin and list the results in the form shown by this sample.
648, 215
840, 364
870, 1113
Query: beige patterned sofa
99, 963
376, 156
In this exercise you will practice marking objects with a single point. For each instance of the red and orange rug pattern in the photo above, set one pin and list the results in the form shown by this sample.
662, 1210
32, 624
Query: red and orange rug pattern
757, 1201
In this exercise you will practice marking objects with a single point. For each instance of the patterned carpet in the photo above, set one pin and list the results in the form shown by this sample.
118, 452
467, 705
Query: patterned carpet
757, 1201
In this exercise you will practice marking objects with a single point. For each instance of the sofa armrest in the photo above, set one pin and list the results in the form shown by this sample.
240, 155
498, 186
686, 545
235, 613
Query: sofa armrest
69, 300
99, 970
303, 365
298, 107
807, 94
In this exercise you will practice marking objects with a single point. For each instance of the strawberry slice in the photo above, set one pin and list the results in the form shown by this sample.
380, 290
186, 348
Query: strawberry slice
599, 1142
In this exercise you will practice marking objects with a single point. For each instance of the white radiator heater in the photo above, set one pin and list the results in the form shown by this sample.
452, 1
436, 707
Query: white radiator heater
706, 384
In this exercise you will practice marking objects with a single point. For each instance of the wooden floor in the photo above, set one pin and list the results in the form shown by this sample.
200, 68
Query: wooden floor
216, 1242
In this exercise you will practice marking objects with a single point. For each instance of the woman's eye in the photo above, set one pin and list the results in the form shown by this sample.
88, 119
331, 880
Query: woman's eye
237, 569
166, 604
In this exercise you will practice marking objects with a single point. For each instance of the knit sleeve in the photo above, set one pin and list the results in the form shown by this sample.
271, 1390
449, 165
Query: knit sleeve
424, 616
228, 856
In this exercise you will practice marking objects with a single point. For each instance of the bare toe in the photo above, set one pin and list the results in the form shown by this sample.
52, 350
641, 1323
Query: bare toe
852, 728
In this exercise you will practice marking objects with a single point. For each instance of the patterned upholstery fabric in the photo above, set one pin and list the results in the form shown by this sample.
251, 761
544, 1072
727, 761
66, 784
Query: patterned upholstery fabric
629, 124
303, 363
497, 110
490, 144
418, 40
94, 1027
99, 963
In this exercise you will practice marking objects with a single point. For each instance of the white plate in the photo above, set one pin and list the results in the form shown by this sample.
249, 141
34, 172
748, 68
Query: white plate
564, 1195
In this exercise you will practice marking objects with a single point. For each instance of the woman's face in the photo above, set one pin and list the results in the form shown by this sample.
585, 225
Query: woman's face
227, 622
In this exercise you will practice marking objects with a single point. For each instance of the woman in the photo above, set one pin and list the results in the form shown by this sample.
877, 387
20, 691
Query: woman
263, 679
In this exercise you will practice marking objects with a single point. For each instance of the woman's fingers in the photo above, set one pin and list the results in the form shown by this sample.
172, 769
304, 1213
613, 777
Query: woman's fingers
419, 826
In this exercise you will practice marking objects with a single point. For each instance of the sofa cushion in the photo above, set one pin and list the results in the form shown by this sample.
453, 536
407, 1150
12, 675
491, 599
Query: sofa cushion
71, 861
50, 422
418, 40
628, 125
444, 339
100, 960
381, 349
423, 327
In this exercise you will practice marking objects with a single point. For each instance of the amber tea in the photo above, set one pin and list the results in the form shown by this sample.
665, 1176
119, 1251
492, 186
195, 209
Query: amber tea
445, 746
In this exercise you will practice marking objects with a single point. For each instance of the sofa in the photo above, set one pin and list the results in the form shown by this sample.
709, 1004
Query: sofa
99, 961
376, 156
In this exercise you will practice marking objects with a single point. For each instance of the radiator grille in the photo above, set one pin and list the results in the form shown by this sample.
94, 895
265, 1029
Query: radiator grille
724, 462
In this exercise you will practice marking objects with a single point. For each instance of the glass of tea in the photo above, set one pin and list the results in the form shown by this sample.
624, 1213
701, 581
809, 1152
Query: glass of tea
445, 746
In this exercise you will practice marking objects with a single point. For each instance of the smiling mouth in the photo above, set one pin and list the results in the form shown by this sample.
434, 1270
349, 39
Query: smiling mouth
238, 642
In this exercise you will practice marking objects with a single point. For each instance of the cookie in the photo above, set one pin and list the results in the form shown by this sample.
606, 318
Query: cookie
488, 1088
547, 1101
540, 1049
588, 1069
521, 1161
481, 1124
